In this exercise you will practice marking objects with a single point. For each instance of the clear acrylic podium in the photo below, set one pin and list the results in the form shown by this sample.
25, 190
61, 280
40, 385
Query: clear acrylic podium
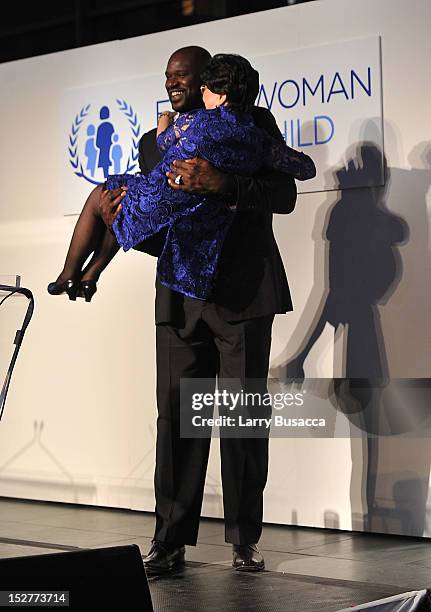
10, 287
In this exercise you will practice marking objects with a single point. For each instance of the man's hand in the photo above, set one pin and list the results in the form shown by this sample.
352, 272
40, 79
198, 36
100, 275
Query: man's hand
199, 176
110, 204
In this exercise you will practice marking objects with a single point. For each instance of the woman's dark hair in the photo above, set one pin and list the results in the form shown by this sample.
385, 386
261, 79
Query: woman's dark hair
234, 76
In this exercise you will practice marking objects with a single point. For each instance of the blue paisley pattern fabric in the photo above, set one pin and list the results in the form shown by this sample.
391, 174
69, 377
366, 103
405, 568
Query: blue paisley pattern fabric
197, 225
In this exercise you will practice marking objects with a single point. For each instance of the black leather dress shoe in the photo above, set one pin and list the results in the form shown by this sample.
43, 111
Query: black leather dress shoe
163, 558
247, 558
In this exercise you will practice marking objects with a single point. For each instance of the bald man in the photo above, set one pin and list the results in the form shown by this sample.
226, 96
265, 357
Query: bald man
228, 335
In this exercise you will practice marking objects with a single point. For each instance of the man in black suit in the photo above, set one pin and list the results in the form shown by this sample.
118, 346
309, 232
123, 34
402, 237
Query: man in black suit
228, 335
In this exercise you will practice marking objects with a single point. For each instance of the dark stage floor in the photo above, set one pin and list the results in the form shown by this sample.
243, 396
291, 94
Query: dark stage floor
307, 569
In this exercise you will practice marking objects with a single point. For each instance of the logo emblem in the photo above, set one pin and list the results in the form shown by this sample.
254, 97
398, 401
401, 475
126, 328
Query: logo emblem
107, 145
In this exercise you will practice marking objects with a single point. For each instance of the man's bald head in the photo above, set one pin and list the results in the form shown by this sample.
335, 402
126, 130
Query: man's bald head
183, 77
198, 56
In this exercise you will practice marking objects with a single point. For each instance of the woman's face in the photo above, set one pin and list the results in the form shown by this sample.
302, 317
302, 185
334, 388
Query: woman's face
211, 99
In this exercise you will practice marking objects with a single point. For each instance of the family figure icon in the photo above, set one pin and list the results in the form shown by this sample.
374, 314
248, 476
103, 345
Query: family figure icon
102, 148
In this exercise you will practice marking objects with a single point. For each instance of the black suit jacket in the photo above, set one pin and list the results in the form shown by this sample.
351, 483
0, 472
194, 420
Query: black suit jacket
251, 280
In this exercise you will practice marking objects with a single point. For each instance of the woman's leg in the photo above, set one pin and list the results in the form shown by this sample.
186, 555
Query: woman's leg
105, 251
90, 236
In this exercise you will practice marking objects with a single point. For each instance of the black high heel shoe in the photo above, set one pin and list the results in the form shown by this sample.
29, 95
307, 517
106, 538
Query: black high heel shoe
87, 289
70, 287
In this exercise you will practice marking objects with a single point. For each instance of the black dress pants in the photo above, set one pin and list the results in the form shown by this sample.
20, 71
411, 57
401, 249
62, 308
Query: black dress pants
204, 347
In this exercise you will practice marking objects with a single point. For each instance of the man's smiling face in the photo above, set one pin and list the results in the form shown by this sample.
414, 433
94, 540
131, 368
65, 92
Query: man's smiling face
183, 81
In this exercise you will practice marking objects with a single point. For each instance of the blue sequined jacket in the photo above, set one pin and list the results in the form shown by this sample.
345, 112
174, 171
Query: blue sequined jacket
197, 225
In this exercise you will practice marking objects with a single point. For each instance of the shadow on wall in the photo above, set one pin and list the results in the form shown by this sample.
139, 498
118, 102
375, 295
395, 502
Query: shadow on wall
65, 477
363, 270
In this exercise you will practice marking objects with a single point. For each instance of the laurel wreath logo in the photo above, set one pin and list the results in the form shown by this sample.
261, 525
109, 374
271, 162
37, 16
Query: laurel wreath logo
135, 127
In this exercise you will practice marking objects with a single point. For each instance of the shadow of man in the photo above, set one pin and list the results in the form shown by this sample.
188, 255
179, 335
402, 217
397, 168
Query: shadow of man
390, 472
364, 267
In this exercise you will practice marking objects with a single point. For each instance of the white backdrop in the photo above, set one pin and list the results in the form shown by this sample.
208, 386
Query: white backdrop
80, 418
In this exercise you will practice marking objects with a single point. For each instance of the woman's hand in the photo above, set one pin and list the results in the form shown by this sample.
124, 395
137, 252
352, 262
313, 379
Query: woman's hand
165, 119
